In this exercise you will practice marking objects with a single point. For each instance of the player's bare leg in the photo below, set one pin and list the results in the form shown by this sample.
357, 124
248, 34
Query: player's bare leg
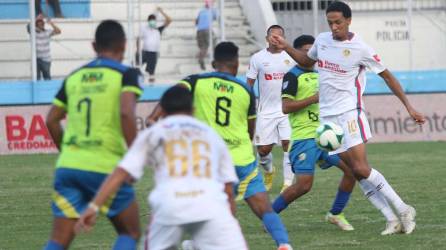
266, 162
288, 174
379, 191
62, 234
127, 226
261, 206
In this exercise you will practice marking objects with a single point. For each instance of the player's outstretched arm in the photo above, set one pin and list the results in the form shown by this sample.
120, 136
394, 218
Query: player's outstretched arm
299, 56
251, 127
53, 123
128, 119
108, 188
395, 86
290, 105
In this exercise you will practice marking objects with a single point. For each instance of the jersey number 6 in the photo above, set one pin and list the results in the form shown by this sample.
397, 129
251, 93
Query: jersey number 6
222, 113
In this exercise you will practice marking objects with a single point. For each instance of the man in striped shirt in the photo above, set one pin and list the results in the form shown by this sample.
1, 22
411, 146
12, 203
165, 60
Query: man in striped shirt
43, 37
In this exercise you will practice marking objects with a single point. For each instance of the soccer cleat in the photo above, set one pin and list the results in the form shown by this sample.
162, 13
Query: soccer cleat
392, 227
268, 179
285, 186
188, 245
340, 221
285, 247
408, 220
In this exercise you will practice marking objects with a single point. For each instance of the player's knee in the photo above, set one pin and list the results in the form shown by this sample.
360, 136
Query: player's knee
360, 170
285, 145
306, 187
264, 150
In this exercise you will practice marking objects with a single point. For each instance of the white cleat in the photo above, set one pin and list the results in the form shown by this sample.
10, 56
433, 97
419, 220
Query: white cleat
285, 247
393, 227
340, 221
408, 220
188, 245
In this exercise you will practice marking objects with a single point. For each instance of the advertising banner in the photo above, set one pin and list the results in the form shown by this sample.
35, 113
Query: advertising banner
23, 130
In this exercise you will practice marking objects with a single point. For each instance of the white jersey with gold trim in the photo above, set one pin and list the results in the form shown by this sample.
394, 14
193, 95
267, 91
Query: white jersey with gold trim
191, 164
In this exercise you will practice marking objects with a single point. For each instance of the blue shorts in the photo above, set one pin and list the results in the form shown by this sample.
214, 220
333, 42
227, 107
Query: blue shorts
305, 154
251, 181
74, 189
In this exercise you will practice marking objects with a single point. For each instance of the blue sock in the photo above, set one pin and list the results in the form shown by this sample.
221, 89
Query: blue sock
52, 245
275, 227
279, 204
340, 202
124, 242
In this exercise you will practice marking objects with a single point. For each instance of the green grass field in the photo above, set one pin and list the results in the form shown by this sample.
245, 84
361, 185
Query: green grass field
416, 170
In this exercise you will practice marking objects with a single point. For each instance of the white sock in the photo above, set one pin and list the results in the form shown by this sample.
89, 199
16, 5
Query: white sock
381, 185
266, 162
288, 174
378, 200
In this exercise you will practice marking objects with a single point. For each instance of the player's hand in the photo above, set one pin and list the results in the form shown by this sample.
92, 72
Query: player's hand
416, 116
278, 41
86, 221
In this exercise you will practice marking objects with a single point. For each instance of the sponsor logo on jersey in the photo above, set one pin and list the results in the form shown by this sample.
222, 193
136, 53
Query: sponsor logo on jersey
274, 76
287, 62
92, 77
223, 87
302, 157
334, 67
285, 85
346, 52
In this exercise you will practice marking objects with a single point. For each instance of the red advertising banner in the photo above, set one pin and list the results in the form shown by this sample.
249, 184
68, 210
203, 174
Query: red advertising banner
23, 130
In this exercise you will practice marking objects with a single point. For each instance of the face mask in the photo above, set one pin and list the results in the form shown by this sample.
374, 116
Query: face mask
152, 23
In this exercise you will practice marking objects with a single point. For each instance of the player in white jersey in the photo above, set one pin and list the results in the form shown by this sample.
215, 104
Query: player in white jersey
269, 66
193, 176
342, 58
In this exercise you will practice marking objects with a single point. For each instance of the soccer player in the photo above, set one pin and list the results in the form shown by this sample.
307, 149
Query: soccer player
194, 177
99, 102
299, 101
228, 105
269, 66
342, 58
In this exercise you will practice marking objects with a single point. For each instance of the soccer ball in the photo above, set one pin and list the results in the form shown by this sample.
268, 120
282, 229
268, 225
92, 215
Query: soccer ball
329, 136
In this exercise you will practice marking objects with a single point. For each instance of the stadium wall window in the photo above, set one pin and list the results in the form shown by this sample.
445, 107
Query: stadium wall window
298, 5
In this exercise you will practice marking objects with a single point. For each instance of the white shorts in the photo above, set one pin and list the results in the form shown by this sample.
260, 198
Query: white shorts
272, 130
356, 128
221, 233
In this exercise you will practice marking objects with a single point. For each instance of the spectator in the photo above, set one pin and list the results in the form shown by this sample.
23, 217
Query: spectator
55, 5
43, 37
151, 36
203, 22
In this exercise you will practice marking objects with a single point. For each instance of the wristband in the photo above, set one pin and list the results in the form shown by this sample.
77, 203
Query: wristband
94, 207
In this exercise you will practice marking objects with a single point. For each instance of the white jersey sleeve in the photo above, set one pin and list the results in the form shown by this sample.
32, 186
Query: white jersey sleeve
136, 157
371, 60
252, 69
226, 169
312, 53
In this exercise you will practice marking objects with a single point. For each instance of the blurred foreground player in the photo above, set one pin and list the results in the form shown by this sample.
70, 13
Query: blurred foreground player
228, 105
99, 101
194, 176
342, 58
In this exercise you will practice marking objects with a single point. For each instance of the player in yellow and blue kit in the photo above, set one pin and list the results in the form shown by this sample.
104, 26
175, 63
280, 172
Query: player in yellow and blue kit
98, 100
228, 105
300, 100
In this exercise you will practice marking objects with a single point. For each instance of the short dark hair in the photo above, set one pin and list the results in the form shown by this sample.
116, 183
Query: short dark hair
302, 40
338, 6
275, 26
225, 51
151, 16
109, 34
176, 99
